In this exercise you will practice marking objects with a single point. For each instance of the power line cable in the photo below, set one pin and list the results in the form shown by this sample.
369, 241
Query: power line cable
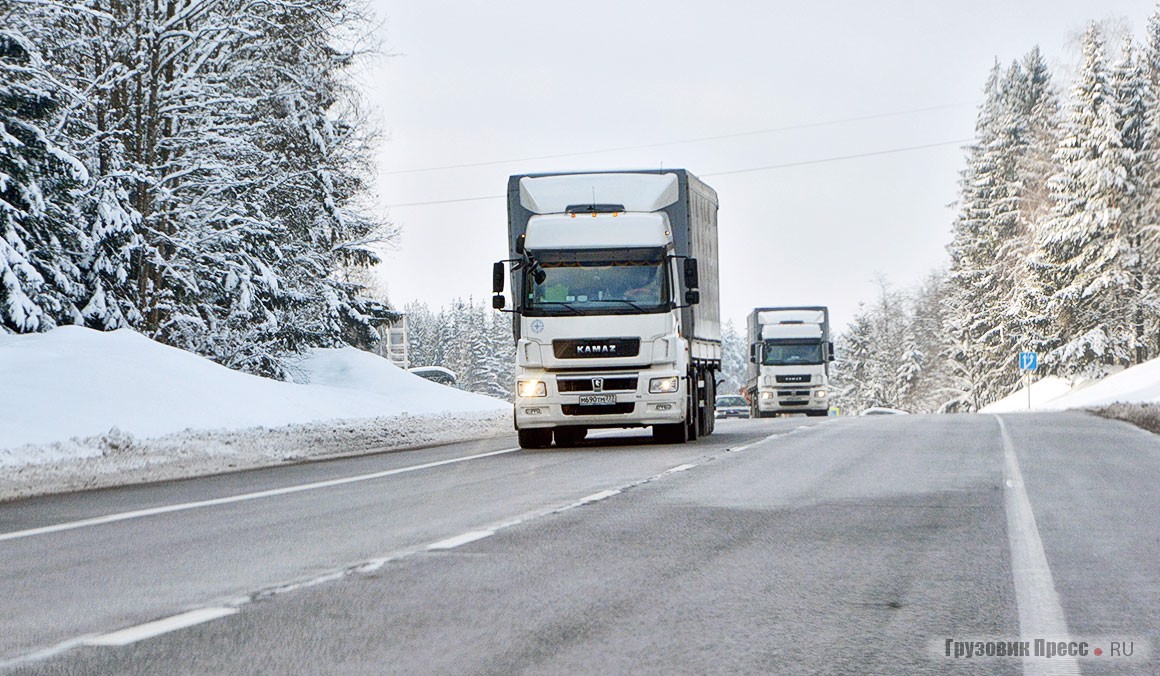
719, 137
769, 167
840, 158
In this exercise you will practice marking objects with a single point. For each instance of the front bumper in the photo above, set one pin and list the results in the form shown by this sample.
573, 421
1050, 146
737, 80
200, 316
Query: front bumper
562, 404
791, 400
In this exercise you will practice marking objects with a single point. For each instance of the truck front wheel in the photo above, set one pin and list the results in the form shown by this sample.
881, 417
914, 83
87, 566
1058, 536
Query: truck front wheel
676, 433
541, 438
569, 436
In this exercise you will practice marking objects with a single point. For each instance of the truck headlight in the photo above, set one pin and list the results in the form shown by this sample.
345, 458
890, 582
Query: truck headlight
767, 395
820, 394
664, 385
531, 388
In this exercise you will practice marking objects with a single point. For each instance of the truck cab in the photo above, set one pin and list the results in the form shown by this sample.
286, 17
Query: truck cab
790, 352
600, 289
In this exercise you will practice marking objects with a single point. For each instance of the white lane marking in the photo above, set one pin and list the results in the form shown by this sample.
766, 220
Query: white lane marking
151, 629
746, 447
597, 497
460, 540
154, 511
1040, 612
680, 468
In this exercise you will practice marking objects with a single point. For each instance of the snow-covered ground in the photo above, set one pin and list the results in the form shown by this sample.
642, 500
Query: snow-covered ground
1139, 384
85, 409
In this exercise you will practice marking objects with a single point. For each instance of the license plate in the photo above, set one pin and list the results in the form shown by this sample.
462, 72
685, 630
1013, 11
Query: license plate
597, 399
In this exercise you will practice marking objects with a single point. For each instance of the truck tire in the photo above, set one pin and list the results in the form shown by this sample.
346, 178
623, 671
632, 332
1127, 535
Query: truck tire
676, 433
569, 436
709, 419
693, 422
540, 438
692, 408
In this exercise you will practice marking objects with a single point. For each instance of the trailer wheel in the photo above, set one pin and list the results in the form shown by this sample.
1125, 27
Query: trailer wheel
539, 438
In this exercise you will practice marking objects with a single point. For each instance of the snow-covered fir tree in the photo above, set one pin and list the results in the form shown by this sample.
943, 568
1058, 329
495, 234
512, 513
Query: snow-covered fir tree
871, 368
1134, 96
468, 338
1148, 237
40, 283
1002, 192
895, 353
227, 158
1080, 264
734, 359
501, 375
989, 212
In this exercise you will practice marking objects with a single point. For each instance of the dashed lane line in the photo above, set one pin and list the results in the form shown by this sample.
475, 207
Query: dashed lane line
141, 632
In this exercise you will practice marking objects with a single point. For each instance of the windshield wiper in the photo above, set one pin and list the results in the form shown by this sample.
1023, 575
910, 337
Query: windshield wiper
621, 300
552, 304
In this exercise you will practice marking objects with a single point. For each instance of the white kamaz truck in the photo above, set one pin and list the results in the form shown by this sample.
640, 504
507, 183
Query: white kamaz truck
789, 361
616, 313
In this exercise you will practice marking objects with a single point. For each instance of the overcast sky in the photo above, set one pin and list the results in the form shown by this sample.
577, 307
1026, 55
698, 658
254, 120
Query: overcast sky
832, 131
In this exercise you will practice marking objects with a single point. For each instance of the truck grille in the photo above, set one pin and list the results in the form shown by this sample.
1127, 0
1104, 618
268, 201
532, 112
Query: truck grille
596, 348
611, 409
607, 384
794, 379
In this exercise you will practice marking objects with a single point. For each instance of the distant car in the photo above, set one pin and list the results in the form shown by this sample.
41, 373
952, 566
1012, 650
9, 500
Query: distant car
883, 410
436, 374
731, 406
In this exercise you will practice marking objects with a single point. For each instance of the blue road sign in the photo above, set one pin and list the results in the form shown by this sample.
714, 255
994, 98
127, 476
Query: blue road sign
1028, 361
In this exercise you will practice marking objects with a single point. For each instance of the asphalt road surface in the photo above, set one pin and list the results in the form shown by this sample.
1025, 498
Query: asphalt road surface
877, 545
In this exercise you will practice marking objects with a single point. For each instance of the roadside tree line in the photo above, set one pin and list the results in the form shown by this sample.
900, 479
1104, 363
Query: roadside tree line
190, 169
1055, 249
467, 337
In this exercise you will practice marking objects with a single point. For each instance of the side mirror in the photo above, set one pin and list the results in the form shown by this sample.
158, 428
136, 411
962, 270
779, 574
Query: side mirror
692, 297
755, 353
830, 355
498, 301
497, 274
691, 278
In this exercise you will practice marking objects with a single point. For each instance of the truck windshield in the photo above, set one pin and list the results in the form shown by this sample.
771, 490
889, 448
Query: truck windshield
599, 287
784, 354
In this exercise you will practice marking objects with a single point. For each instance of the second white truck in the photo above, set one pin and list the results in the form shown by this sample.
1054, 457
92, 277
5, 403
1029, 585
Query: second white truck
789, 361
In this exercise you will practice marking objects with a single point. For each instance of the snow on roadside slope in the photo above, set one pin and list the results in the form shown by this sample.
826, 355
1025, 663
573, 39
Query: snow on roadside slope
1139, 384
1042, 391
82, 408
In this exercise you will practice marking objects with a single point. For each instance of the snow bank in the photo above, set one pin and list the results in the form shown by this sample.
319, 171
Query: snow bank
108, 402
1042, 391
1138, 384
76, 382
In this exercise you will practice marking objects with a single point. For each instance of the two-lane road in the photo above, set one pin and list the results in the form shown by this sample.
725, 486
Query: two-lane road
773, 546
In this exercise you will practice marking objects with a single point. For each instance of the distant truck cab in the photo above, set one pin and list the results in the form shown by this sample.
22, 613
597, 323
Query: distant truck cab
789, 361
